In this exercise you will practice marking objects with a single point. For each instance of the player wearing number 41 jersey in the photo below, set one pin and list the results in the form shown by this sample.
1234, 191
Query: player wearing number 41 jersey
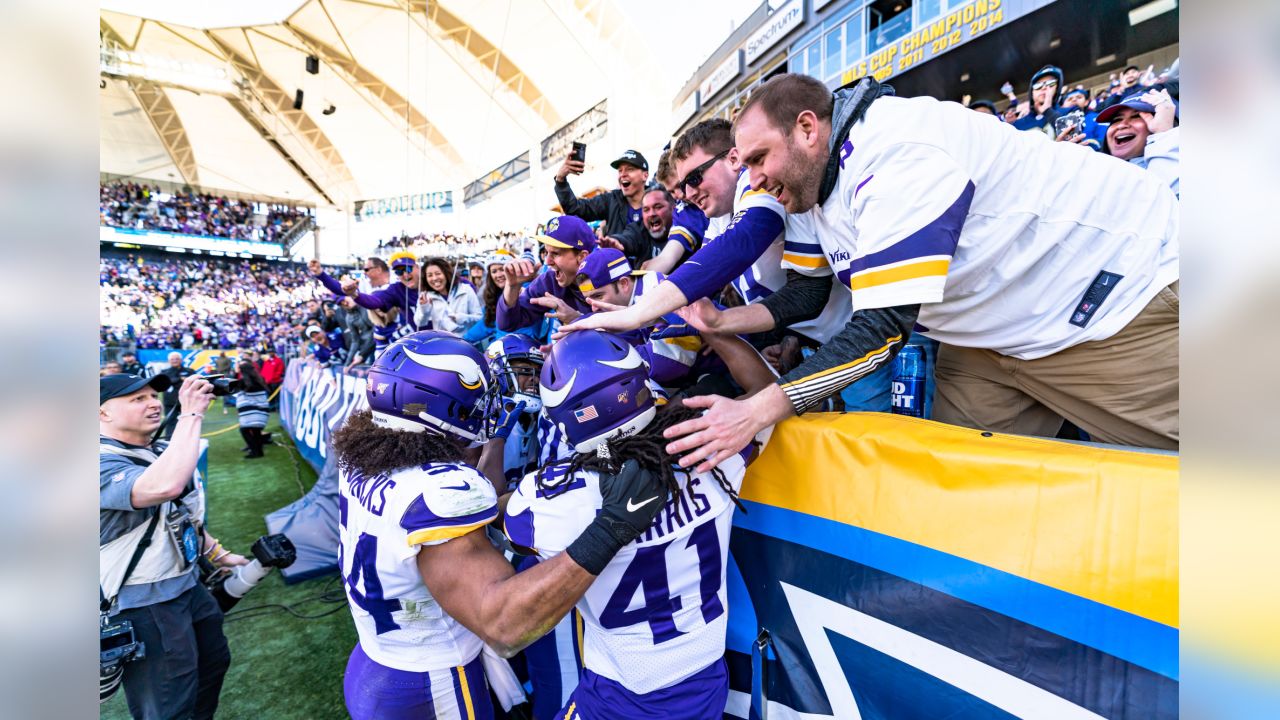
656, 616
427, 589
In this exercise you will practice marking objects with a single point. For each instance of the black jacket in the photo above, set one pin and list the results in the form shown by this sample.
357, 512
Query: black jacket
612, 207
176, 375
357, 333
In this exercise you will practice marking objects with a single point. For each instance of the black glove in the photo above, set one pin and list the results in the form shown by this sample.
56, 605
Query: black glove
632, 498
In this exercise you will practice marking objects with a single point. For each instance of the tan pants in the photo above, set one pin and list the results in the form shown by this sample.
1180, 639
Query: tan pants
1122, 390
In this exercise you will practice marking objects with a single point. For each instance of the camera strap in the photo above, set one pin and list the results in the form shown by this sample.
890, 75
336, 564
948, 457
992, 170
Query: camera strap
143, 544
143, 457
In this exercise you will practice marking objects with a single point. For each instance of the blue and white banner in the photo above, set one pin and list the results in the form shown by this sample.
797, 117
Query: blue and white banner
314, 402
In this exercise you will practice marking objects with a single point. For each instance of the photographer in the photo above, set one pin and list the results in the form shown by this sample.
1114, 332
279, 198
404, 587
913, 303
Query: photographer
252, 408
151, 504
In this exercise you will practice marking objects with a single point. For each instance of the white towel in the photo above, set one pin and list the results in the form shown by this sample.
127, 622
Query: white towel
502, 679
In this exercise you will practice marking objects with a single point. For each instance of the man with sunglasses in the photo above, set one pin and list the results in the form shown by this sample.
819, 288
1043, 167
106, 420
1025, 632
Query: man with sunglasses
750, 242
377, 274
1046, 89
400, 296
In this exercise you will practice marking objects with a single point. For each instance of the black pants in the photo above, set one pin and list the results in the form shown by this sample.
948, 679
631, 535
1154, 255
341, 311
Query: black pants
186, 657
254, 438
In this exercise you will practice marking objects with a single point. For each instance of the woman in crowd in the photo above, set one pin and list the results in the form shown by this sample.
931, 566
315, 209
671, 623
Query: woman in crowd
252, 406
1143, 131
485, 330
447, 304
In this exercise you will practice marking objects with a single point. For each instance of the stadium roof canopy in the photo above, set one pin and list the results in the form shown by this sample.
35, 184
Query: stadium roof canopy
411, 95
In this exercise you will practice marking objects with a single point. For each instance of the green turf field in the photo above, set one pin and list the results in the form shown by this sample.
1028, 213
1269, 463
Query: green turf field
282, 666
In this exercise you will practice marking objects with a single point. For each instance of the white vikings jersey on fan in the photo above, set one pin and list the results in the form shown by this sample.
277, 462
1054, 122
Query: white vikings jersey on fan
1010, 243
382, 520
656, 615
797, 248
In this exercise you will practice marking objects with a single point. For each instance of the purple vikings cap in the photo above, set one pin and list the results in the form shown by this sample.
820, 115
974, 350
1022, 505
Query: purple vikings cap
567, 231
602, 267
594, 388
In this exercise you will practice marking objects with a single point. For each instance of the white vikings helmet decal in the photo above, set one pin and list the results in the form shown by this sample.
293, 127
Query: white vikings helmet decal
630, 362
555, 398
468, 371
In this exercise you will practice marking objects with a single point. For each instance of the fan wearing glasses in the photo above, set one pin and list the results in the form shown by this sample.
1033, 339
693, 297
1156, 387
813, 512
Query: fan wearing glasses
745, 242
377, 272
400, 296
1046, 91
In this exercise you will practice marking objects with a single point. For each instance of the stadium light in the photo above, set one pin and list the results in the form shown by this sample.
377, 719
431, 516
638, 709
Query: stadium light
1144, 13
117, 62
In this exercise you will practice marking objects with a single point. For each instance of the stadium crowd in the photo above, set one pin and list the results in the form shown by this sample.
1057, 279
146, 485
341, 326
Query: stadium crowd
126, 204
154, 301
643, 344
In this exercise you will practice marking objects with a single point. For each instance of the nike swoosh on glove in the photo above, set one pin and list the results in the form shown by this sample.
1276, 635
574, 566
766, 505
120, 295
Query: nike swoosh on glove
627, 511
506, 420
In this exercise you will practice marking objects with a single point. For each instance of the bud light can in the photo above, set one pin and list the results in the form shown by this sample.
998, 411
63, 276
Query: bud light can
909, 381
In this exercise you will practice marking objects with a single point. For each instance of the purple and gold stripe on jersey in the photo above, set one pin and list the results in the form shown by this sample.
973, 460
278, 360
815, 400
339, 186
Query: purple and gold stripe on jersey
684, 237
802, 254
925, 253
425, 526
376, 692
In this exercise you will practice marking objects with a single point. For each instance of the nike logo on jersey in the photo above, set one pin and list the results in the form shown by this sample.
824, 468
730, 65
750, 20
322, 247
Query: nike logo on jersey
632, 507
463, 486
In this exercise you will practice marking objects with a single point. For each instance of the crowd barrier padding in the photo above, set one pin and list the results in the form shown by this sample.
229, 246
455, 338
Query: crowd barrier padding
903, 568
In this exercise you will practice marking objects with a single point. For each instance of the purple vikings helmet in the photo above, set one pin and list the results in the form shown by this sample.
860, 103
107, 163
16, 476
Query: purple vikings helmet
501, 353
594, 387
430, 379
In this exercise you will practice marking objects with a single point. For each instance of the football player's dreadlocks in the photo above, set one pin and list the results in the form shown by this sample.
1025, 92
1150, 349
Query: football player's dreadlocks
370, 450
648, 448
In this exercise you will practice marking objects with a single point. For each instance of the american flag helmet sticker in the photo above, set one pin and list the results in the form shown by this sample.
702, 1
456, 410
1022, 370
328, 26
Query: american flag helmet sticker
586, 413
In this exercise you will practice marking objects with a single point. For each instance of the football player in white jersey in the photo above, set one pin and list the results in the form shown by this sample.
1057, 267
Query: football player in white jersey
656, 616
426, 587
553, 661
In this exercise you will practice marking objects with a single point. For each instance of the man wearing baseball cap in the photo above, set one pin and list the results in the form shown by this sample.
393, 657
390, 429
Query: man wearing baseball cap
140, 482
328, 348
1142, 129
400, 297
568, 241
619, 207
674, 350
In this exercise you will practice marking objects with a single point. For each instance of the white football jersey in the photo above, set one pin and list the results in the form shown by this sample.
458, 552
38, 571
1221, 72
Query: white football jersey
657, 613
381, 522
1010, 243
797, 248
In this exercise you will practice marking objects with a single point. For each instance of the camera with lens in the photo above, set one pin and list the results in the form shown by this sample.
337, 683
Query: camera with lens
228, 585
224, 386
118, 646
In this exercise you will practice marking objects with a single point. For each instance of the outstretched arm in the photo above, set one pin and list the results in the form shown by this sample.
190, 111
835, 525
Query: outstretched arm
476, 585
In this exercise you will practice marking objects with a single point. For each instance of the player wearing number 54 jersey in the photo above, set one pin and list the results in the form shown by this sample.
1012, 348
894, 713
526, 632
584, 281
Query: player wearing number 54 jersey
427, 589
656, 616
